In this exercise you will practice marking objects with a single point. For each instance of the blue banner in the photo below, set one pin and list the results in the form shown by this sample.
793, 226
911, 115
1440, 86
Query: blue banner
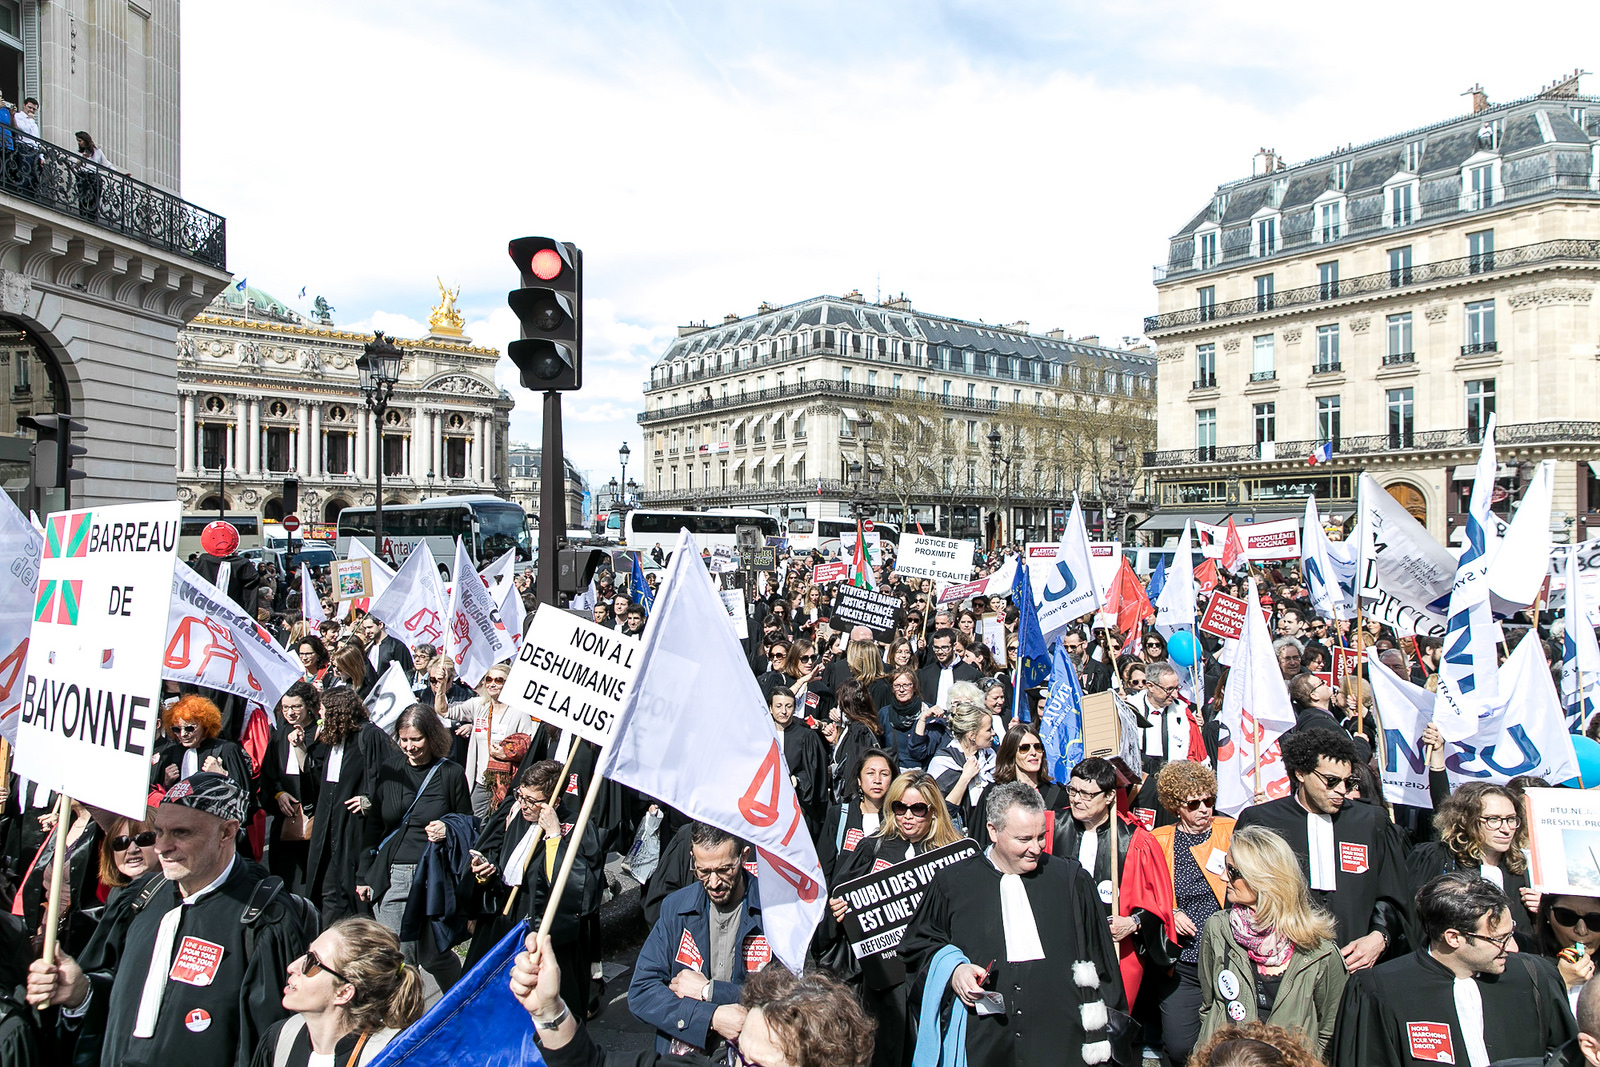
1061, 722
1033, 667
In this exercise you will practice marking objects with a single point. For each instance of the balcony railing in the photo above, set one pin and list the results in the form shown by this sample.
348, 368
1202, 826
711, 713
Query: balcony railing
1206, 381
1263, 375
1481, 348
1331, 367
1393, 358
64, 181
1568, 250
1517, 433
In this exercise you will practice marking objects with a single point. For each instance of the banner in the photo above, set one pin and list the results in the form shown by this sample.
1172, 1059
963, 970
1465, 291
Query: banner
213, 644
1224, 616
1068, 589
1564, 841
865, 607
1518, 568
1588, 565
940, 558
1399, 565
573, 673
1255, 713
20, 547
828, 573
392, 695
412, 605
1580, 653
1468, 670
88, 718
952, 593
879, 907
1405, 710
477, 639
695, 734
1262, 541
1329, 569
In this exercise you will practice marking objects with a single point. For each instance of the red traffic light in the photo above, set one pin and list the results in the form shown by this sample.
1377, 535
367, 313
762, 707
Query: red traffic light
546, 264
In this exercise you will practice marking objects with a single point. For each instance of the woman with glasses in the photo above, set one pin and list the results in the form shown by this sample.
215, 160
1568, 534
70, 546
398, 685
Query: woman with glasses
1270, 956
411, 809
194, 725
1153, 647
127, 854
499, 741
351, 994
912, 730
1021, 759
313, 656
1479, 828
1569, 933
1195, 847
802, 676
520, 849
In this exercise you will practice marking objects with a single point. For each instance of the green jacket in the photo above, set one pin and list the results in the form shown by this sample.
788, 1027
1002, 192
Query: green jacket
1308, 998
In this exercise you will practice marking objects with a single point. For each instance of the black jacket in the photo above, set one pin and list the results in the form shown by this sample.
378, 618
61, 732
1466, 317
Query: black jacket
928, 678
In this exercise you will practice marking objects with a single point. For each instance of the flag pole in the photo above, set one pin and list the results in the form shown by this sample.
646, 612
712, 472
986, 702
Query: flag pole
538, 830
560, 884
57, 864
1361, 719
1116, 892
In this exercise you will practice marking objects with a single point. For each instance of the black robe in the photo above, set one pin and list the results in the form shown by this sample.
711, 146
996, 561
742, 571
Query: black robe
1377, 898
339, 838
807, 758
234, 761
1432, 858
286, 859
1384, 1011
242, 999
1042, 1021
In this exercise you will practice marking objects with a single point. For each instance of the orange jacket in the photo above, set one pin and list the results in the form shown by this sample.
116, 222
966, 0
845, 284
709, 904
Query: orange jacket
1221, 834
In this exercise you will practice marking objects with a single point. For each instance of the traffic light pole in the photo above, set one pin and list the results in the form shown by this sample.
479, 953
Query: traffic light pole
552, 500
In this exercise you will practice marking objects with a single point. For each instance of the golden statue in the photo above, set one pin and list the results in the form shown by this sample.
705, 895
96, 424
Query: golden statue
445, 319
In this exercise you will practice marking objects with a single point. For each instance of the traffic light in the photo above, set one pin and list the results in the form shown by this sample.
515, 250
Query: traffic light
576, 568
550, 307
291, 495
53, 450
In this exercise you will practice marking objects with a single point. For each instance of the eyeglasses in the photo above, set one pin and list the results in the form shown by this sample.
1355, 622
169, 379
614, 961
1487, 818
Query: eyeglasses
1500, 942
1497, 822
1568, 917
1167, 689
144, 839
1198, 802
1136, 684
721, 874
919, 809
186, 728
1029, 746
1085, 794
494, 681
531, 800
310, 964
1334, 782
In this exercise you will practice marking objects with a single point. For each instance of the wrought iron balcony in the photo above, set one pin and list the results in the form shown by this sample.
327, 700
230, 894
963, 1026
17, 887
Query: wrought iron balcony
1294, 452
1481, 348
63, 180
1394, 358
1263, 375
1330, 367
1206, 381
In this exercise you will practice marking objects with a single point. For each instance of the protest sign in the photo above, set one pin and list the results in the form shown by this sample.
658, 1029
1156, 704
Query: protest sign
941, 558
738, 614
1588, 564
20, 546
722, 560
879, 907
1399, 565
1224, 616
951, 593
1263, 541
1344, 664
352, 578
865, 607
760, 559
87, 724
213, 644
827, 573
1564, 841
992, 629
573, 673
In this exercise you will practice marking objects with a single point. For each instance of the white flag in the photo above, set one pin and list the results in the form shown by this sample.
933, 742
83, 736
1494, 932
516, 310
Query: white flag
1468, 670
1067, 589
476, 638
1255, 712
1329, 569
1175, 605
1405, 710
392, 695
20, 546
1518, 568
499, 573
412, 605
212, 643
1400, 568
310, 603
695, 734
512, 612
382, 574
1526, 733
1580, 658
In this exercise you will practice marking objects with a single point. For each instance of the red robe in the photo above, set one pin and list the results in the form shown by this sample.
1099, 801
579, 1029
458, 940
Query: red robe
1144, 882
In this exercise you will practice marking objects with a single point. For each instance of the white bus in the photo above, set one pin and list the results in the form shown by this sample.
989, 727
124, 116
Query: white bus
488, 525
644, 528
806, 533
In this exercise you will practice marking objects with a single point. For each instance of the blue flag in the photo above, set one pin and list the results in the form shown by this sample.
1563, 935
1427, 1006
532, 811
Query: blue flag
1158, 579
640, 589
476, 1021
1033, 668
1061, 722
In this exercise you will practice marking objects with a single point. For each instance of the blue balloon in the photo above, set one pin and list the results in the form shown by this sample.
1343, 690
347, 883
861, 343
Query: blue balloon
1588, 752
1180, 648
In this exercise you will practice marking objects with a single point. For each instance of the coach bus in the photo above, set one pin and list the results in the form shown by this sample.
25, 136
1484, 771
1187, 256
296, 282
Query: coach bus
806, 533
644, 528
488, 525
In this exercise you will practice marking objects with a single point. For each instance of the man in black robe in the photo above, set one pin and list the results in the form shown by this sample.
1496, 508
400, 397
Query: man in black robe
1349, 851
196, 982
1037, 950
1467, 998
806, 757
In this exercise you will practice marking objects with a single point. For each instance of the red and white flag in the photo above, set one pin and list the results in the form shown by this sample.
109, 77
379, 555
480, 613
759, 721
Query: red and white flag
211, 642
1232, 548
412, 605
1206, 577
477, 638
695, 734
1255, 712
21, 544
1127, 605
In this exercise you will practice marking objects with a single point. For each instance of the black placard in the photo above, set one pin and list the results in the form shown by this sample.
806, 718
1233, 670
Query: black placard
879, 907
865, 607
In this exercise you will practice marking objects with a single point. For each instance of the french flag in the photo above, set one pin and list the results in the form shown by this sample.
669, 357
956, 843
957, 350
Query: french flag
1323, 453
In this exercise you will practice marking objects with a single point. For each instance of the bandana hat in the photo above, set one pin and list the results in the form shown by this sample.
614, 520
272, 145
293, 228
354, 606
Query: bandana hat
214, 794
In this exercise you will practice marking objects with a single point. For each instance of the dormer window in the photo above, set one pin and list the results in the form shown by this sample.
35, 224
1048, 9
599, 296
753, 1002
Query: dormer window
1280, 187
1480, 182
1264, 233
1413, 156
1327, 215
1341, 175
1207, 242
1402, 195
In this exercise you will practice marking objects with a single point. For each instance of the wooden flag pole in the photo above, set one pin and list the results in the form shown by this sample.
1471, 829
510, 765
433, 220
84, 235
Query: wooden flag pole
1361, 718
57, 865
1115, 890
538, 831
560, 884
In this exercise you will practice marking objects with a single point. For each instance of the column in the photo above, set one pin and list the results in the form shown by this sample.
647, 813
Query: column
253, 438
302, 459
315, 443
358, 458
438, 445
230, 432
186, 450
417, 451
475, 471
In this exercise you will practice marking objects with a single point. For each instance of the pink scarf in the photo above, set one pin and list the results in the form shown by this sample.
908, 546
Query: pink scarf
1263, 944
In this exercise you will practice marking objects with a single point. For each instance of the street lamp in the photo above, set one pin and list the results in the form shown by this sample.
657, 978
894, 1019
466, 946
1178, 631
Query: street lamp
379, 368
622, 454
1120, 487
996, 458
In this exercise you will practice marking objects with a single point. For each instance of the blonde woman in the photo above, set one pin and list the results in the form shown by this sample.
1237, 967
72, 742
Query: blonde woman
1278, 948
501, 735
964, 767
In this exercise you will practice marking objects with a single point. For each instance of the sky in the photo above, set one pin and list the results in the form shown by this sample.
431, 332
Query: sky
990, 161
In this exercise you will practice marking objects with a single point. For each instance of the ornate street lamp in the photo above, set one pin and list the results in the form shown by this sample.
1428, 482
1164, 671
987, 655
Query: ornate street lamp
996, 459
622, 454
379, 368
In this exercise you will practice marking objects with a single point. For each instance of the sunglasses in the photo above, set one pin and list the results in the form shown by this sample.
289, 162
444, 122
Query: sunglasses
919, 809
1233, 874
146, 838
1568, 917
186, 728
1198, 802
1029, 746
1333, 781
310, 964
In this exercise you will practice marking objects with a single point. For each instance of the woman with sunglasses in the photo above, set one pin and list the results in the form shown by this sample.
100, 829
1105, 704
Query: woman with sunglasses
802, 676
919, 823
351, 994
1195, 847
1271, 955
127, 854
500, 738
1479, 828
1021, 759
194, 725
1569, 933
1153, 648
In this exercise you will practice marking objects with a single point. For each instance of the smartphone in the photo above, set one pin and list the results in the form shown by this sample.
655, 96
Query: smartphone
475, 854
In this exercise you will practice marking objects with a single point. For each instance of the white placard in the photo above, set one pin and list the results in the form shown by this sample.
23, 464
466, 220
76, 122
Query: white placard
722, 560
1564, 841
738, 614
88, 720
943, 559
573, 673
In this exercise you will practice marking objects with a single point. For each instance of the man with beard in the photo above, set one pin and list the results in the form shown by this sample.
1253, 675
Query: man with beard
1093, 676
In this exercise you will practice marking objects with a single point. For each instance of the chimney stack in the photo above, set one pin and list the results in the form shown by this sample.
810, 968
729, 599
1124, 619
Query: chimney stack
1265, 162
1480, 99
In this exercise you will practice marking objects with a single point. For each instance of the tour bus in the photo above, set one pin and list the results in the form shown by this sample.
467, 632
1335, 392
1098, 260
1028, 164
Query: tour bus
644, 528
487, 524
191, 526
806, 533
